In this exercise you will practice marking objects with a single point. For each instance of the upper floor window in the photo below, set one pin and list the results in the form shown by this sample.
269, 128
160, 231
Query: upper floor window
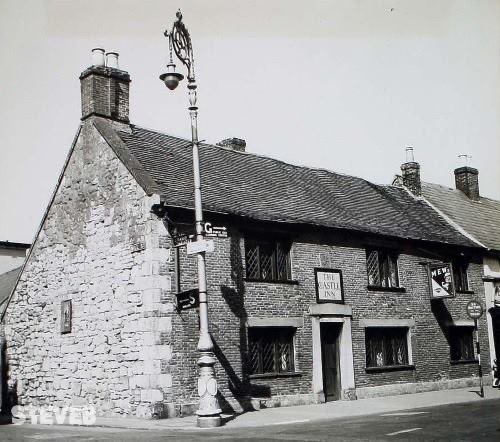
270, 350
382, 268
460, 276
267, 260
461, 344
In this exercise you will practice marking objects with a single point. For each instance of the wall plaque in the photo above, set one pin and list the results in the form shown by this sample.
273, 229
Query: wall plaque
66, 316
329, 285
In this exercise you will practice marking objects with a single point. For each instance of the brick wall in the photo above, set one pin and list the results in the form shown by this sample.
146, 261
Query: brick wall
232, 300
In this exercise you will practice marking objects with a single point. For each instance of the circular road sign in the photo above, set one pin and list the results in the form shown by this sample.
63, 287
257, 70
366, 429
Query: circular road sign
474, 309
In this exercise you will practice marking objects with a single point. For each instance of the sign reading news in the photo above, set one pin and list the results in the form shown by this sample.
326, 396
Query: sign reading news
329, 285
441, 281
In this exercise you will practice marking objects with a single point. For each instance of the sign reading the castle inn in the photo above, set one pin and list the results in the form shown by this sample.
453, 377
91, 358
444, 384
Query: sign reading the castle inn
441, 281
329, 285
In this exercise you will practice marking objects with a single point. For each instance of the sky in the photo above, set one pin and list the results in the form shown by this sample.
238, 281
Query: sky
344, 85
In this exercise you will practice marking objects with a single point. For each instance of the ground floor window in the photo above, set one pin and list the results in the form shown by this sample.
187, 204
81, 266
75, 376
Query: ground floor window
386, 346
461, 344
270, 350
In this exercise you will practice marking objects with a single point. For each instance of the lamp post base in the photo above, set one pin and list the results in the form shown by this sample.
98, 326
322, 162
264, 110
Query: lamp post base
208, 421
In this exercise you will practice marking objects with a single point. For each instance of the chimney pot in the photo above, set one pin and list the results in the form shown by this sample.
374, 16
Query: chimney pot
98, 57
233, 143
112, 60
411, 173
409, 155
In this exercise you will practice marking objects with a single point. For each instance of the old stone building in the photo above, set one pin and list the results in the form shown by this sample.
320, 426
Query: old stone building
320, 291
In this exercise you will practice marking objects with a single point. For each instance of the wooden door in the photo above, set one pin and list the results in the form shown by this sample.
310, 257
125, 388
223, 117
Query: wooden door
330, 355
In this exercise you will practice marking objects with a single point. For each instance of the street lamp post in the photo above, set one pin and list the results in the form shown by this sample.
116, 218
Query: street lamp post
208, 410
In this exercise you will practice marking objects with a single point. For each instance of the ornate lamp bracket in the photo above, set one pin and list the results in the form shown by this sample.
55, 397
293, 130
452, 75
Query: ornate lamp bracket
181, 42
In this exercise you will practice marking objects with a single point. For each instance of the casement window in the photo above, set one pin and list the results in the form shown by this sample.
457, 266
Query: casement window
267, 260
461, 344
270, 350
386, 347
460, 276
382, 268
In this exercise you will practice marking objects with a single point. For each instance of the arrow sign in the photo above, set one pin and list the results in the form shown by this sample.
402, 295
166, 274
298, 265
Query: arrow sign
215, 231
188, 299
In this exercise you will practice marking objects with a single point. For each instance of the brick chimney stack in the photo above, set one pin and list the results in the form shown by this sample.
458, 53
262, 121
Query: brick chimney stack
467, 180
105, 88
411, 173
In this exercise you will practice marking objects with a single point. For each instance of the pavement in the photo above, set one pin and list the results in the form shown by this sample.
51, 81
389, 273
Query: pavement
311, 413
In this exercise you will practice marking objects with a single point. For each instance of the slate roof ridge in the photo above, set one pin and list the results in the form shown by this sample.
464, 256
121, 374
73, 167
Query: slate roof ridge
264, 156
454, 224
443, 186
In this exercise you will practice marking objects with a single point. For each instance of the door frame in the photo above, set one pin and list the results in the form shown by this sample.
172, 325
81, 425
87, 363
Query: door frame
345, 356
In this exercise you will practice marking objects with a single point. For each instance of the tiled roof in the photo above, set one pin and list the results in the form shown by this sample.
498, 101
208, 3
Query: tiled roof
262, 188
7, 282
481, 219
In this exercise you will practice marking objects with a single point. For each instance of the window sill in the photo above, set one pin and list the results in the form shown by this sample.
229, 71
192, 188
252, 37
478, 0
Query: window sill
376, 288
288, 374
273, 281
464, 361
389, 368
466, 292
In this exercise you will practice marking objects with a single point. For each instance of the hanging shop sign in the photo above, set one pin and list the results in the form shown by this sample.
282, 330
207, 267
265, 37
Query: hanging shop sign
441, 281
329, 285
188, 299
474, 309
215, 231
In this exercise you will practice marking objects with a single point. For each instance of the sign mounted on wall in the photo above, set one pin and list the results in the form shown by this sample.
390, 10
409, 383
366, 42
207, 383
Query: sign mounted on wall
329, 285
66, 316
441, 281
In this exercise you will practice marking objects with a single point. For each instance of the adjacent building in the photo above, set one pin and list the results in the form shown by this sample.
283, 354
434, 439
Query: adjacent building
321, 286
477, 217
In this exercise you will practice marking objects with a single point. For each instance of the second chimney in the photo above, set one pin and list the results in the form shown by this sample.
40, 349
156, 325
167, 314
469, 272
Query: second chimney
234, 144
411, 173
467, 180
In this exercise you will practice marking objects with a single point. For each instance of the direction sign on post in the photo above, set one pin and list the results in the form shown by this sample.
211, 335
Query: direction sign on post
474, 309
181, 239
199, 246
215, 231
188, 299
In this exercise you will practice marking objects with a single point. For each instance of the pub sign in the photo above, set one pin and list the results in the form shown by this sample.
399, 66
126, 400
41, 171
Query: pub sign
329, 286
441, 281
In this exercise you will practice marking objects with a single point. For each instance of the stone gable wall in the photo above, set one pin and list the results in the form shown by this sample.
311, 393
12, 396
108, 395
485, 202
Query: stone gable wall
98, 248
